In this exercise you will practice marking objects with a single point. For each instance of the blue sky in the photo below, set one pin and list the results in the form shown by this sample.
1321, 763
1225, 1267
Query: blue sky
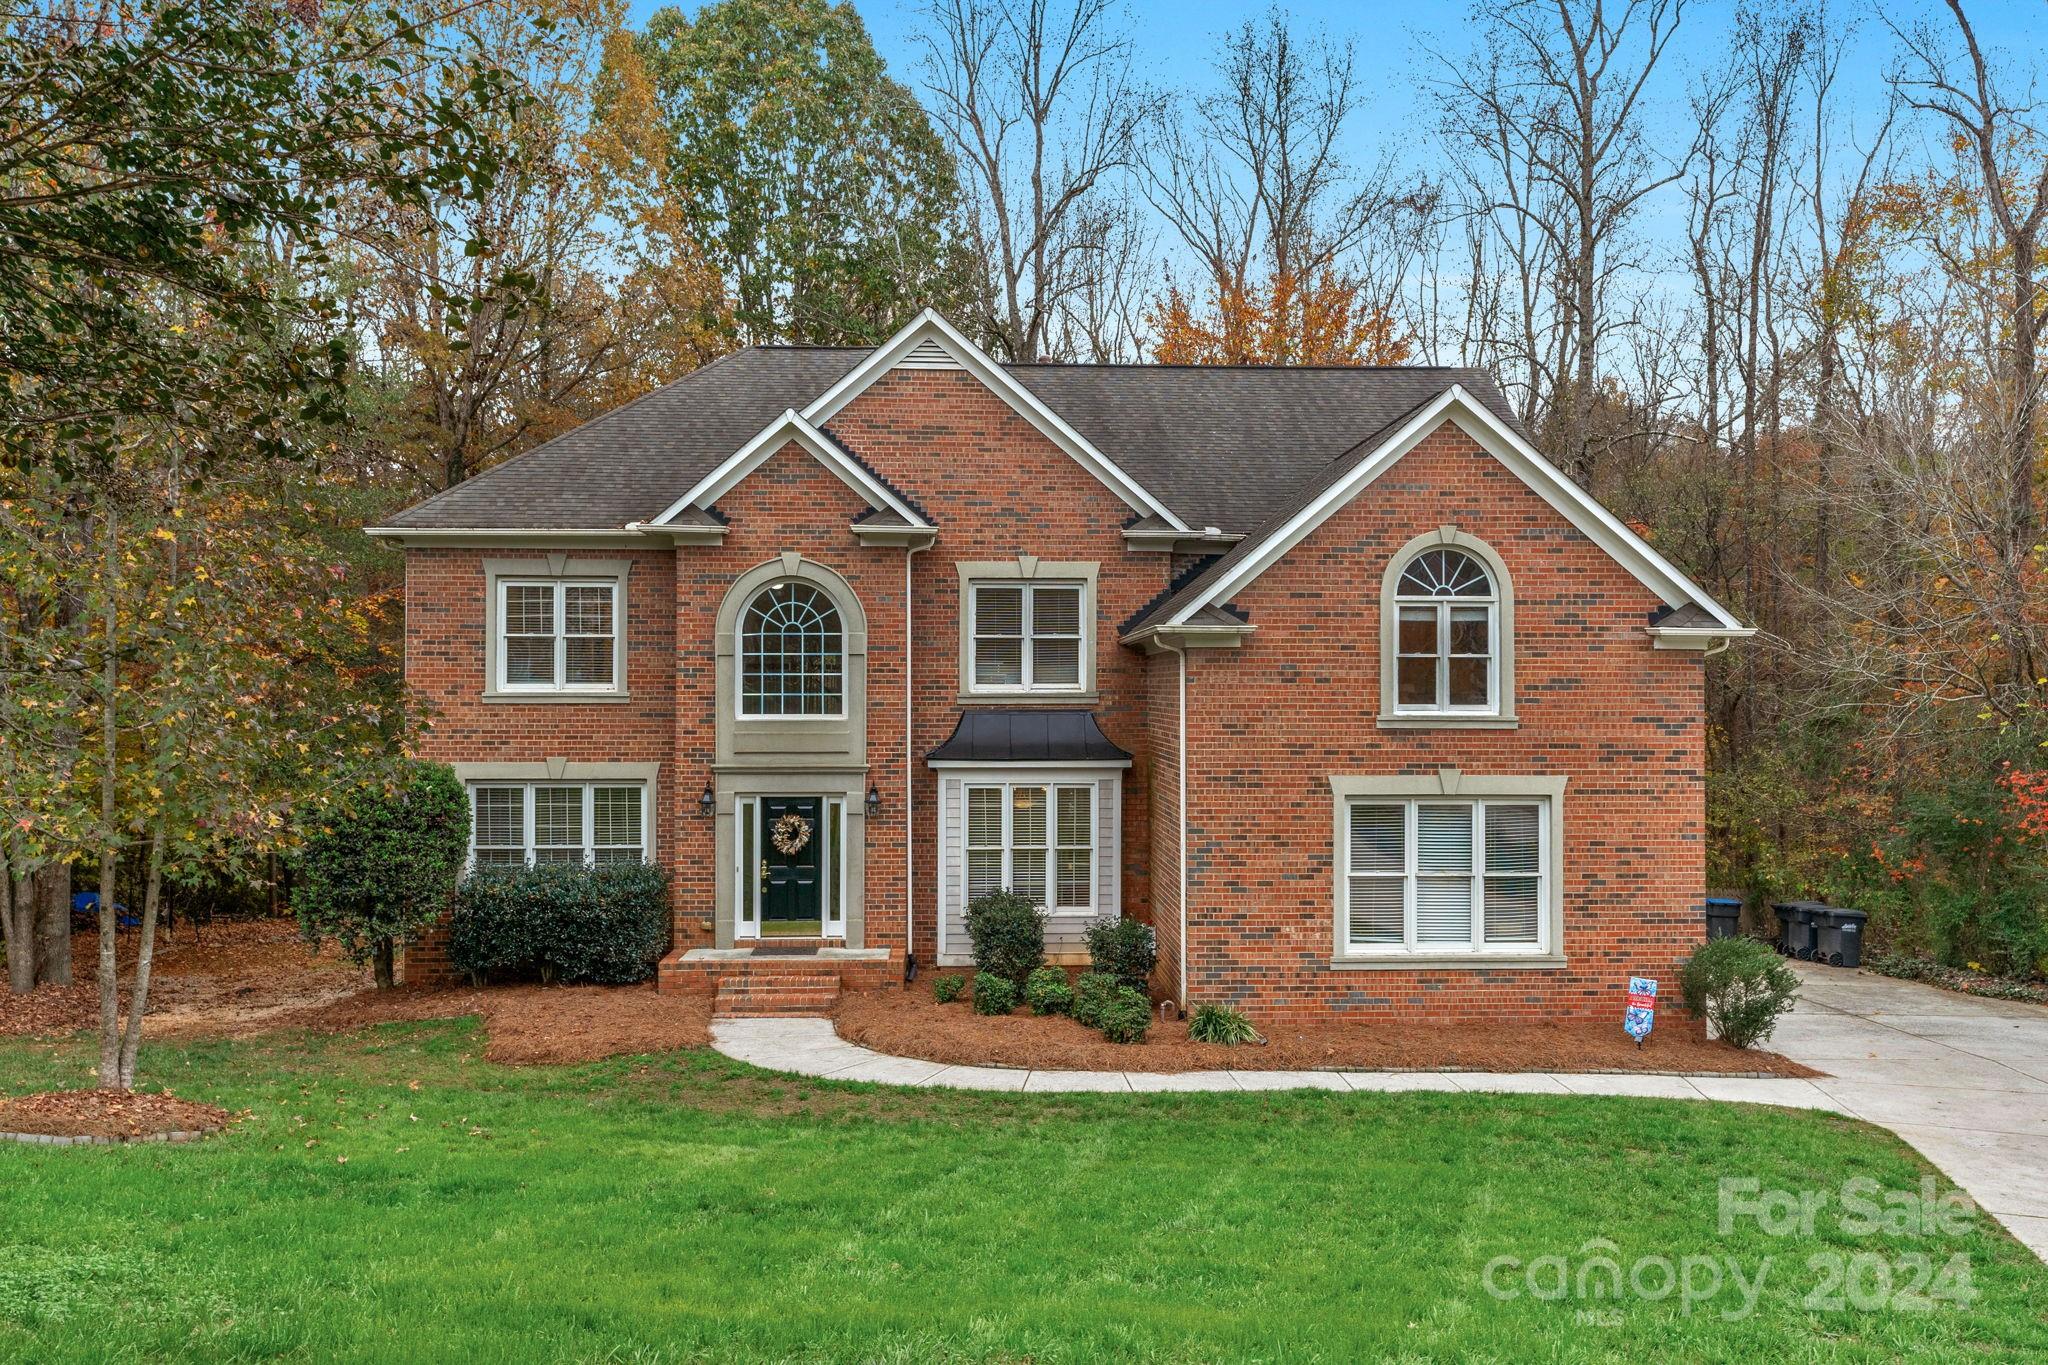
1177, 37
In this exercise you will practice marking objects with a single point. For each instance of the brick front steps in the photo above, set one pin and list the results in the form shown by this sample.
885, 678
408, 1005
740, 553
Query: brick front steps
780, 985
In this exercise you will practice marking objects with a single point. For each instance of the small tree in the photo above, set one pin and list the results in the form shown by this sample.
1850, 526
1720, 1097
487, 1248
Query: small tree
384, 870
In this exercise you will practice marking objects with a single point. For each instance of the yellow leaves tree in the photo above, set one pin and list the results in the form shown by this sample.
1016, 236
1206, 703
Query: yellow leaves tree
1321, 320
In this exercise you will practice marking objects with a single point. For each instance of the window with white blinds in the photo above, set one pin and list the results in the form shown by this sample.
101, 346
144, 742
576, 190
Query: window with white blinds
558, 822
1438, 876
1035, 839
1026, 637
557, 636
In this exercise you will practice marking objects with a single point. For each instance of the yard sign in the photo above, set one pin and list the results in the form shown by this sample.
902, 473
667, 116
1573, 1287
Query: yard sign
1642, 1008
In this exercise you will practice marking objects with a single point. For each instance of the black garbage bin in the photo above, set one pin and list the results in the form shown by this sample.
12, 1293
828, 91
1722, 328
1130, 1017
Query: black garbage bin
1724, 917
1795, 918
1838, 936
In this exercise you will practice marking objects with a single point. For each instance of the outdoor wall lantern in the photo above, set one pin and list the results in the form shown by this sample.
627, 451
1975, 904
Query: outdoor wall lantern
874, 799
707, 801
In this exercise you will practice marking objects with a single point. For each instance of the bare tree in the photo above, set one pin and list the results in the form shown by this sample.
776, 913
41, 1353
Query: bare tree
1548, 125
2003, 142
1254, 177
1039, 103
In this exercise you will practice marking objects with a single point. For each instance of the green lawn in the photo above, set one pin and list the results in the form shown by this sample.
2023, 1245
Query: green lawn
686, 1207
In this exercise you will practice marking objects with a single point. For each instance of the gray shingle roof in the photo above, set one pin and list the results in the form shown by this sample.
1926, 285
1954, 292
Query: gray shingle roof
1223, 447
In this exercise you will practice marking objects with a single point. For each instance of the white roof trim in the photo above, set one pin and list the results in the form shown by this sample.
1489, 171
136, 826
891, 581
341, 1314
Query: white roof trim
506, 535
778, 433
1573, 503
928, 329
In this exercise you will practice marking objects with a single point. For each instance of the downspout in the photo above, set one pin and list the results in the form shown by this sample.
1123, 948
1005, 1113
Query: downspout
909, 778
1180, 807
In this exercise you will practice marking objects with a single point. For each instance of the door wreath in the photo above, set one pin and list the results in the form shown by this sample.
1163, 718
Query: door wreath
790, 834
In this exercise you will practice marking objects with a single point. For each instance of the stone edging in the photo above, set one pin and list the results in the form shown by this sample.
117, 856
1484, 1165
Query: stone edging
86, 1140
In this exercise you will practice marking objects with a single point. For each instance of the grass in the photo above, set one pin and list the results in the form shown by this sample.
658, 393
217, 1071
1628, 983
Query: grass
686, 1207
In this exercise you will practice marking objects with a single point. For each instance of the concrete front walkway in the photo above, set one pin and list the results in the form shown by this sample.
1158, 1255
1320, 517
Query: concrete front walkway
810, 1047
1961, 1078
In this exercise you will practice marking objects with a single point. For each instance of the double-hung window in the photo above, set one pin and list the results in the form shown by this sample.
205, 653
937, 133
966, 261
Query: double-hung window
1446, 876
1447, 636
1037, 840
1026, 636
558, 635
558, 822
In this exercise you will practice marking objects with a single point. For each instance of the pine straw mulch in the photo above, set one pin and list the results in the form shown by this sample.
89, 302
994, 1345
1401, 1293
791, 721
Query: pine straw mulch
908, 1023
108, 1114
531, 1025
242, 977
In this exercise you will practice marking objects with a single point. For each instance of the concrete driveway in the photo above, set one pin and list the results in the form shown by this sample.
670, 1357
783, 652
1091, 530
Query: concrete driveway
1961, 1078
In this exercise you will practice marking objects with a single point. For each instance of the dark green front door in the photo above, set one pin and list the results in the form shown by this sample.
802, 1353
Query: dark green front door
792, 842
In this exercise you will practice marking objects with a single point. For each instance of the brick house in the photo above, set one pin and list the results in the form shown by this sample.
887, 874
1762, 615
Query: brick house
1325, 673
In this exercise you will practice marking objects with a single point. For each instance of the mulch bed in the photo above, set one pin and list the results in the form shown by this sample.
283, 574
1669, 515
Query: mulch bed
908, 1023
532, 1025
238, 978
123, 1114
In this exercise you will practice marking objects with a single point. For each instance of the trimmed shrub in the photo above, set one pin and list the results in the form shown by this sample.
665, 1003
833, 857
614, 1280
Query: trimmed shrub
1126, 1017
1124, 949
607, 924
1220, 1024
1093, 991
946, 989
1047, 991
994, 994
1009, 936
382, 871
1740, 987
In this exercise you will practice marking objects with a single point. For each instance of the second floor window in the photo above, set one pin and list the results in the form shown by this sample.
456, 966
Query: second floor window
792, 654
1027, 637
558, 636
1447, 635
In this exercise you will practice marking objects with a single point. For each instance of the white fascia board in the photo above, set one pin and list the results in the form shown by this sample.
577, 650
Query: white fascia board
789, 427
1695, 637
1548, 482
930, 326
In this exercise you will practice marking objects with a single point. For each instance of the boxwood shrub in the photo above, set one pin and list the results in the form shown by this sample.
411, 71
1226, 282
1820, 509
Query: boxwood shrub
1009, 936
607, 924
1047, 991
946, 989
1126, 1017
994, 994
1740, 987
1125, 949
1093, 991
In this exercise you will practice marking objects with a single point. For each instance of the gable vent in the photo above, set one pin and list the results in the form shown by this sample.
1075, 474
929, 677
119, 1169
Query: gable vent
928, 355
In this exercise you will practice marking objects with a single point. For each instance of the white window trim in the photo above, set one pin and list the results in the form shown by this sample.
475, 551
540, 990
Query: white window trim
1443, 705
1026, 641
589, 786
560, 572
1452, 786
746, 920
1499, 712
1051, 786
739, 656
1026, 571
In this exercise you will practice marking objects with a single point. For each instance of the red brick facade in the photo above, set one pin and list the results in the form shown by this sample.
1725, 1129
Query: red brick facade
1268, 724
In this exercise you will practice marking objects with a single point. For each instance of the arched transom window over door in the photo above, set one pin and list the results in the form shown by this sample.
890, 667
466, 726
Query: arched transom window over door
1448, 640
792, 654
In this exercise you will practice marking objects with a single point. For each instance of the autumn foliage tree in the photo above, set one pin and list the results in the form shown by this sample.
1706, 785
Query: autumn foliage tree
1325, 320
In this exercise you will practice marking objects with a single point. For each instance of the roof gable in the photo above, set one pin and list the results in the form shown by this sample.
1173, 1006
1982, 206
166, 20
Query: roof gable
789, 429
929, 342
1346, 478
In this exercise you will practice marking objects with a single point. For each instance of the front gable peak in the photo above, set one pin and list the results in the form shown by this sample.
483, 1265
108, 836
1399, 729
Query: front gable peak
929, 342
791, 428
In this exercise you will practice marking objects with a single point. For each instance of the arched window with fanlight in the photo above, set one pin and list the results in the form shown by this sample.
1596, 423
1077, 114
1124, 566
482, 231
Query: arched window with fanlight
792, 653
1449, 655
